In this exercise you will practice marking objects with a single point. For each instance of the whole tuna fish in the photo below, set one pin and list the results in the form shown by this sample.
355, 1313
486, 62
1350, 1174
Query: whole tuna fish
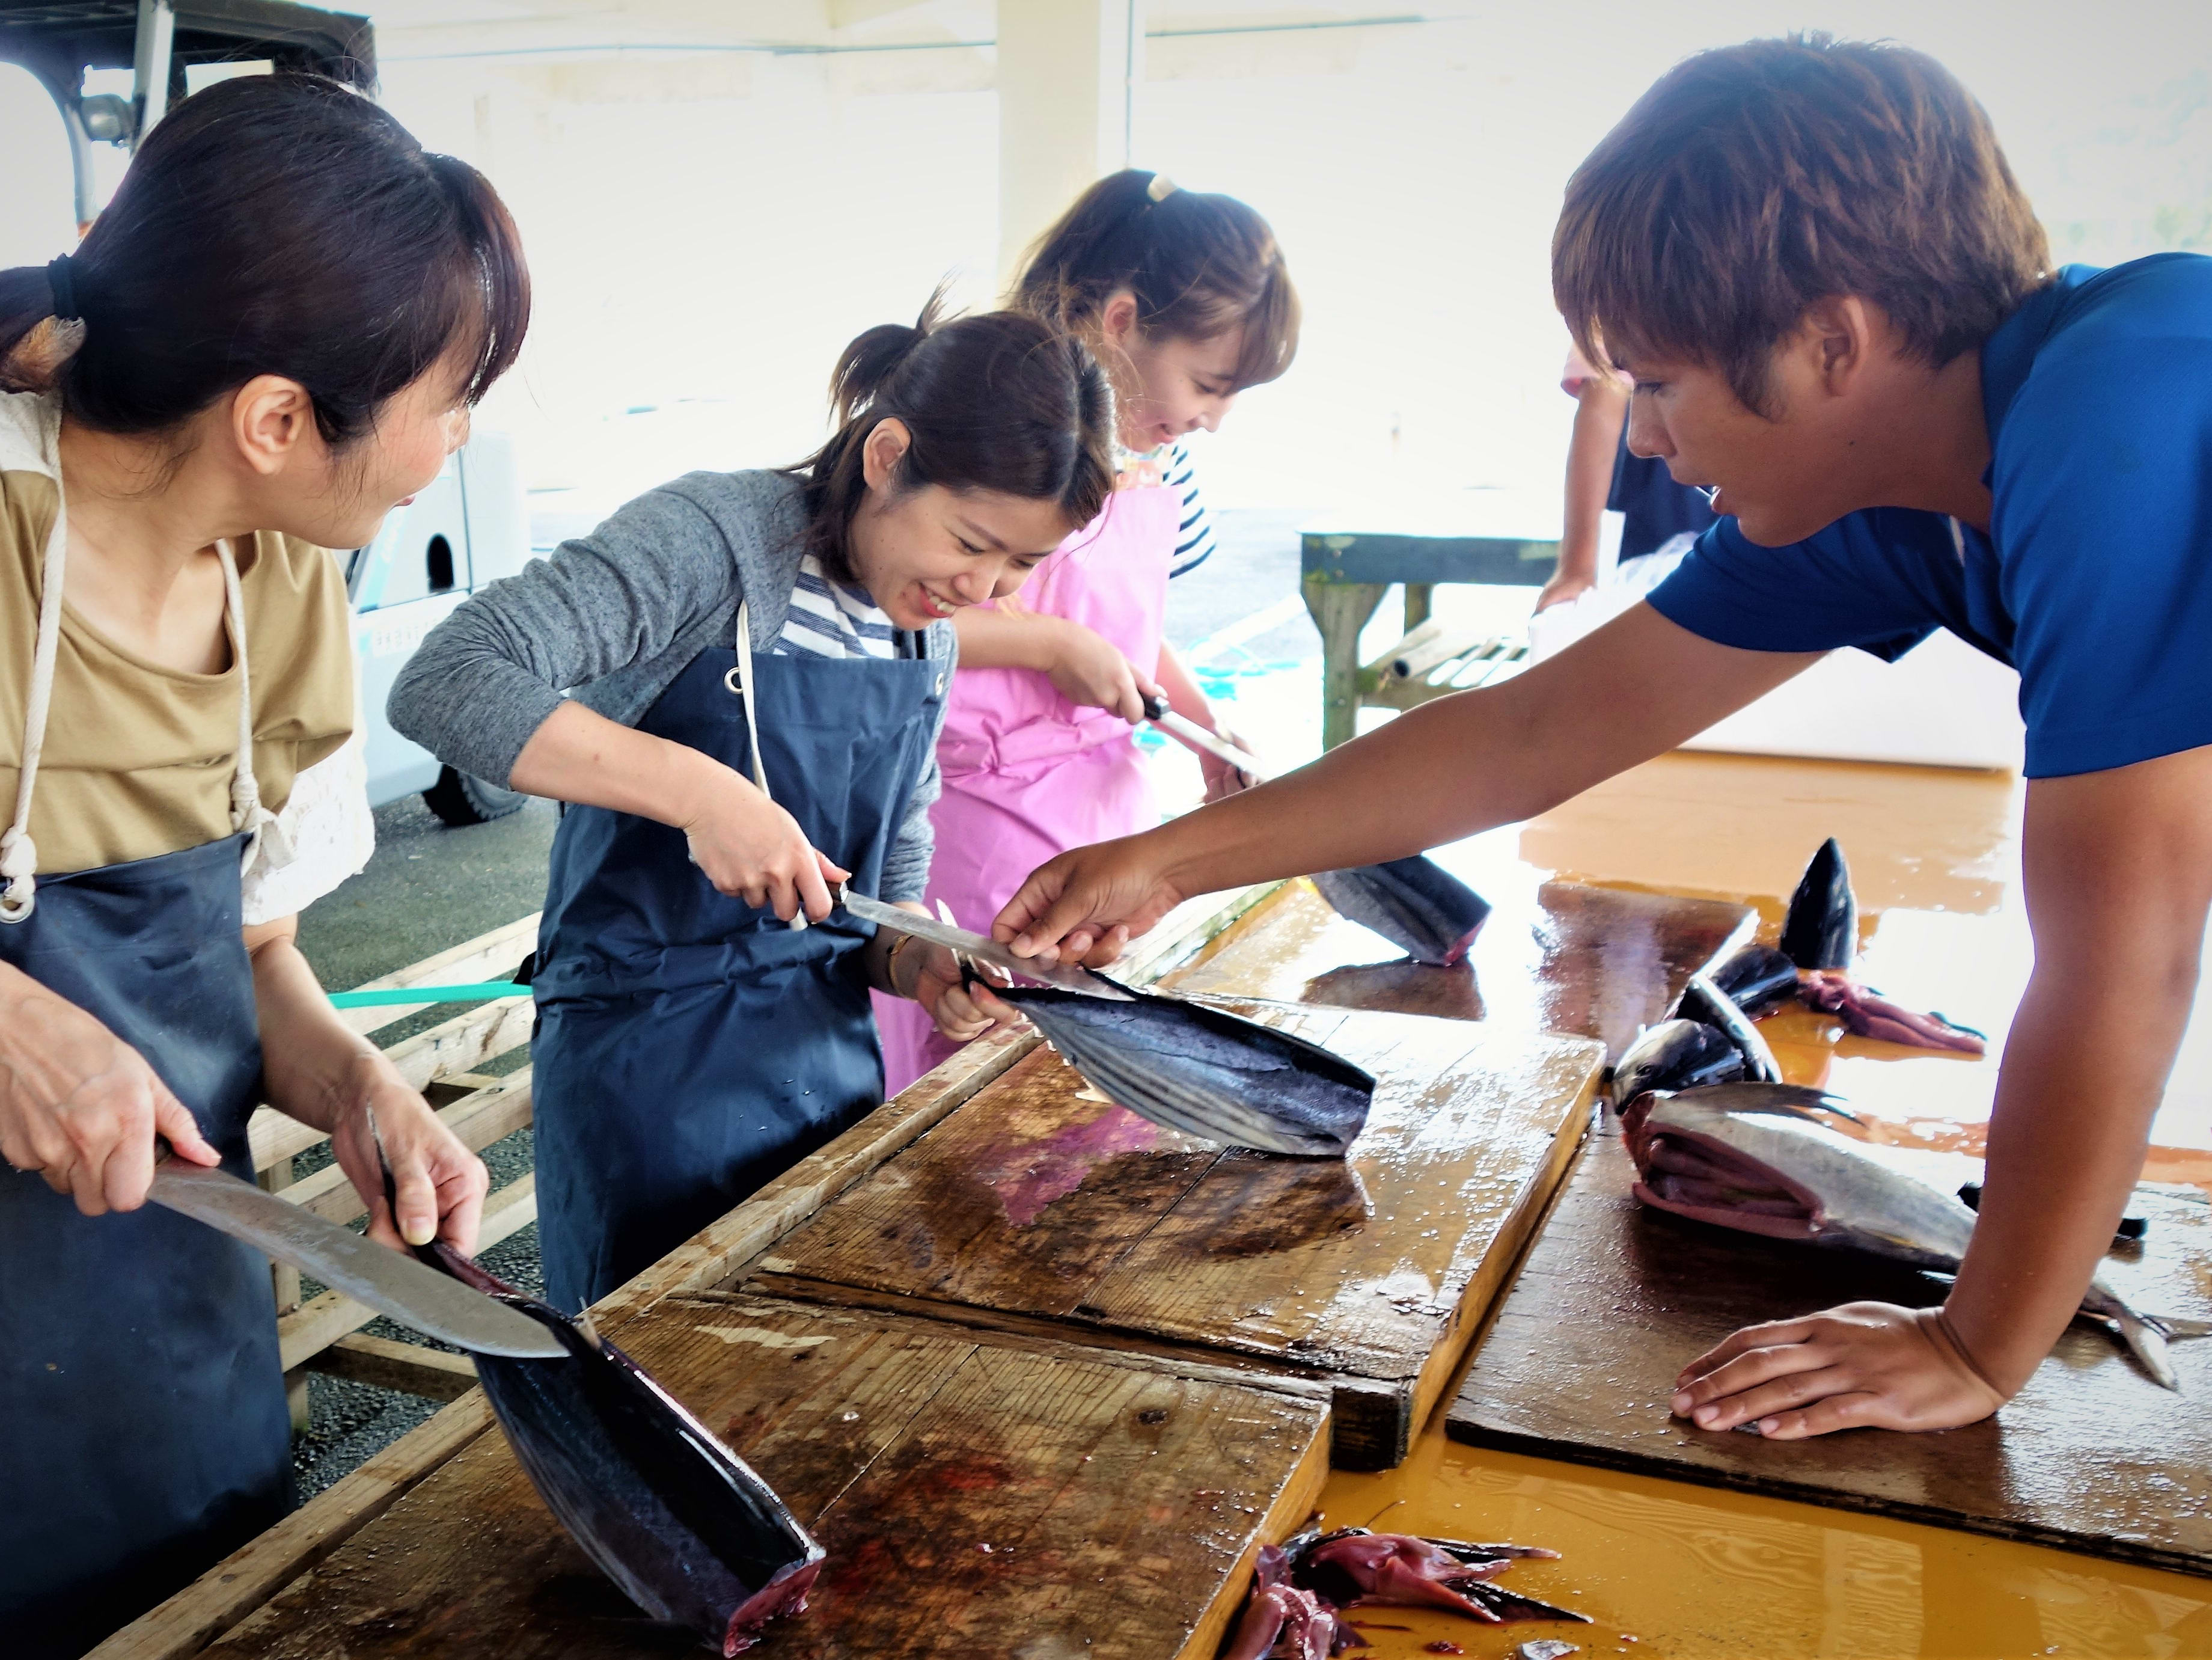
1415, 903
682, 1523
1204, 1071
1821, 930
1675, 1055
1757, 1157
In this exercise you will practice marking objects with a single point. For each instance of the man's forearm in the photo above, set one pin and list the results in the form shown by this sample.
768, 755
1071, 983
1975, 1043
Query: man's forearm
2084, 1071
1468, 762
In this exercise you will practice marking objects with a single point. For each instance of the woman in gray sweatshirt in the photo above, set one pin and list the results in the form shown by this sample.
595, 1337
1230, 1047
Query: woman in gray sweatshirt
737, 683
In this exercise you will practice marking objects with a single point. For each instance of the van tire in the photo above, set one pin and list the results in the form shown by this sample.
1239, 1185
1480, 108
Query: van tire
461, 799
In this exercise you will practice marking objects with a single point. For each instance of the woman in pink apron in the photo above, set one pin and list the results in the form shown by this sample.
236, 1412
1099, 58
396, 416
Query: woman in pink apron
1185, 297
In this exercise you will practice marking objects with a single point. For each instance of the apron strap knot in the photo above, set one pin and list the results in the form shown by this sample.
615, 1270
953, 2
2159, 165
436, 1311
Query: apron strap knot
19, 864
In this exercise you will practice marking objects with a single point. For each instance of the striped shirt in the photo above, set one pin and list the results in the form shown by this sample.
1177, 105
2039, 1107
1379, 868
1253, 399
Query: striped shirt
1194, 532
834, 619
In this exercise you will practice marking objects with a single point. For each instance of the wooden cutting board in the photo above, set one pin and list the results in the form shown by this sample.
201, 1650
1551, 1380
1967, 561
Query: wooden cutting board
1122, 1504
1614, 1299
1038, 1206
1602, 962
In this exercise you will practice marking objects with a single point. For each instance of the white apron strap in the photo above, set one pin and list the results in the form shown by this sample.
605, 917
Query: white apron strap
740, 681
246, 812
18, 856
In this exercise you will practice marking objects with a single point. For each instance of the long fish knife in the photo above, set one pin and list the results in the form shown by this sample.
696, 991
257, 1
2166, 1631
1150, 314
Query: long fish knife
1065, 976
1157, 712
347, 1261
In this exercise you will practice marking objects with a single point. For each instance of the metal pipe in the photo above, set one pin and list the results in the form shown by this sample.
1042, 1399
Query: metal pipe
157, 33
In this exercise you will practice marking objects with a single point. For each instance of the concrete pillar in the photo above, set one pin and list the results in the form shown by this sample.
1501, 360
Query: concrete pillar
1067, 75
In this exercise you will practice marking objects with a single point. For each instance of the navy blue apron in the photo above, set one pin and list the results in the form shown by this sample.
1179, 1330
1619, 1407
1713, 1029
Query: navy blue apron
143, 1428
689, 1047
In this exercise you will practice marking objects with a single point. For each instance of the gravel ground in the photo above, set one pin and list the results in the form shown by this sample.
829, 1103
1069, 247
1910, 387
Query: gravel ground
430, 887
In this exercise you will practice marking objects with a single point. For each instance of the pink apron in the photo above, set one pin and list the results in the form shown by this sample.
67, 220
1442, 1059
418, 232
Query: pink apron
1027, 773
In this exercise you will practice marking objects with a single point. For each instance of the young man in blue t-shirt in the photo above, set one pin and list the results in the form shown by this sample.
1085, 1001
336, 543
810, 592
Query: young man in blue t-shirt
1837, 310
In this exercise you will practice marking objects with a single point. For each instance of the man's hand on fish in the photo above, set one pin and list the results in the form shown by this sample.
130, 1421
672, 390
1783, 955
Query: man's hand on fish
81, 1106
1862, 1365
751, 850
1086, 905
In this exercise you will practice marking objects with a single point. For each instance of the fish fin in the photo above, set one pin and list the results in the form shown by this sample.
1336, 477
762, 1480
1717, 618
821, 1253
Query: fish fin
2177, 1328
1782, 1100
2147, 1342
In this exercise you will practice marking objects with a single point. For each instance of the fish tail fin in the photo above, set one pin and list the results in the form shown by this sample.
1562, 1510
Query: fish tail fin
2147, 1343
2174, 1326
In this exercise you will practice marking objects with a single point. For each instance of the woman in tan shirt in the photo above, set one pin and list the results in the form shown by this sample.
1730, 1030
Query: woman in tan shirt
270, 337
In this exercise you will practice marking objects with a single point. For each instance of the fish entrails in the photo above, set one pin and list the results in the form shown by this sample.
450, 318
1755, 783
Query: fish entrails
1303, 1585
1757, 1157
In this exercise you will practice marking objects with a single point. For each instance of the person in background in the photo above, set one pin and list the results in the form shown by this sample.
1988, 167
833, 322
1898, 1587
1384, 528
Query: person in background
1186, 300
1912, 422
759, 663
270, 337
1658, 516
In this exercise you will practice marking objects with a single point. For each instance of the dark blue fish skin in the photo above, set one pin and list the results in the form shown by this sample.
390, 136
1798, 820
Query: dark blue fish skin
1675, 1055
1759, 978
685, 1527
1204, 1071
1415, 903
1704, 1001
1821, 930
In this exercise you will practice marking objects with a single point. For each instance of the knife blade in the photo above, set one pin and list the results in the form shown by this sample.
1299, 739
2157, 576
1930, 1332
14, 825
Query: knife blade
1065, 976
411, 1293
1157, 712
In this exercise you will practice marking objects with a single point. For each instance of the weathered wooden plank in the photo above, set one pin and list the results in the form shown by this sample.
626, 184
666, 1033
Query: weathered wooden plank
1561, 957
322, 1320
408, 1367
480, 1118
1036, 1199
228, 1592
1121, 1505
500, 952
2093, 1457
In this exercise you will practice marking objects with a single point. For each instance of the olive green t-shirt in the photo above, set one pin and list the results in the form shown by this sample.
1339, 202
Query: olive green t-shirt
138, 758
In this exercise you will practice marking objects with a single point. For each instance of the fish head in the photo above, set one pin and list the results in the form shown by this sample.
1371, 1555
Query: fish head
1673, 1055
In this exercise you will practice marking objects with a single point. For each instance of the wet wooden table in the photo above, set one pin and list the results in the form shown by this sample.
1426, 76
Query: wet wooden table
974, 1493
1613, 1298
1042, 1206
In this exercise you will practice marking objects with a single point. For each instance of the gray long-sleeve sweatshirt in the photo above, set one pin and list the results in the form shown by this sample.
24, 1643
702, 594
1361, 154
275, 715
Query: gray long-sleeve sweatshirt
611, 618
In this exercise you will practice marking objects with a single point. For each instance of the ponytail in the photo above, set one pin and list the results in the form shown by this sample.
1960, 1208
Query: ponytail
999, 402
1198, 264
273, 224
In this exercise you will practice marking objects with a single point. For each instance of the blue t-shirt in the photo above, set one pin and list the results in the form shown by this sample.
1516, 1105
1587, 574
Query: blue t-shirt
2095, 579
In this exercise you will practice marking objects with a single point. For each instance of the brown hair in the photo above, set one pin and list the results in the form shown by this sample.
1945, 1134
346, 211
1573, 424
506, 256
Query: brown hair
999, 401
276, 224
1198, 265
1754, 181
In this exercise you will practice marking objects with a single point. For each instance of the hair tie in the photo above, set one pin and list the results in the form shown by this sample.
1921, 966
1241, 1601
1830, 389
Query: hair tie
1160, 189
58, 278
